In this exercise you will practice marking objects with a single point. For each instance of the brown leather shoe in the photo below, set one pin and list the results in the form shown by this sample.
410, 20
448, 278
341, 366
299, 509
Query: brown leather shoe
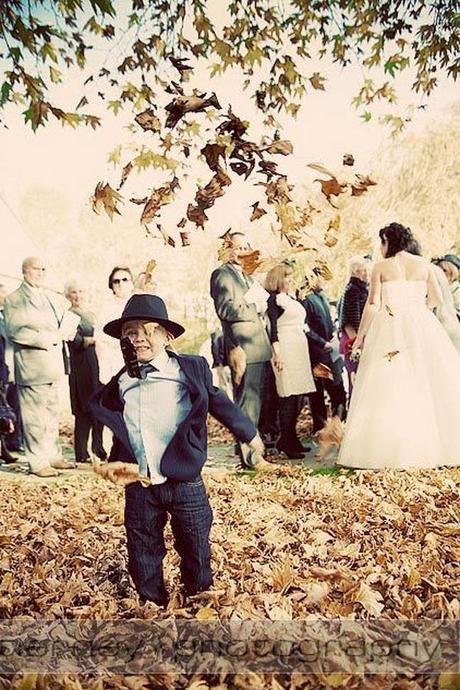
45, 473
63, 465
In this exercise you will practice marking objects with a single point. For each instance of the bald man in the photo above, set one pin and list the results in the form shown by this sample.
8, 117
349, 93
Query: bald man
34, 320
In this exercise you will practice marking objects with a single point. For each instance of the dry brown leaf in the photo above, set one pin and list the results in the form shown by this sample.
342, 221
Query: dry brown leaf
160, 197
196, 215
182, 105
250, 261
388, 310
148, 121
125, 173
281, 146
106, 198
122, 473
212, 154
257, 212
392, 354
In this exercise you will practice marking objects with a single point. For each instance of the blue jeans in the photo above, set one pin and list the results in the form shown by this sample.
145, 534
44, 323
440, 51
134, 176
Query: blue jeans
146, 514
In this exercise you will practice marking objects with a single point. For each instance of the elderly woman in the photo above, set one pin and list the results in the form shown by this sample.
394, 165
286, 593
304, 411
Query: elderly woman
83, 377
351, 309
450, 264
291, 359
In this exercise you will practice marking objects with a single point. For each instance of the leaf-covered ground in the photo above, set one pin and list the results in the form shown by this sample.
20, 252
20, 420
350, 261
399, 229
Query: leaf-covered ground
286, 545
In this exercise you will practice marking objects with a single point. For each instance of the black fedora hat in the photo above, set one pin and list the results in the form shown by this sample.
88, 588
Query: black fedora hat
146, 308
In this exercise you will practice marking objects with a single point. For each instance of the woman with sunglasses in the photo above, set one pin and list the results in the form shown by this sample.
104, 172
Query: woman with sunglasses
121, 283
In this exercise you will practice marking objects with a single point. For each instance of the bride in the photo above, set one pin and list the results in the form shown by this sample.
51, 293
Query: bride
405, 408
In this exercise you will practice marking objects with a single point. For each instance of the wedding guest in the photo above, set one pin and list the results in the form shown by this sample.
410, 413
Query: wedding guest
320, 334
109, 356
14, 440
351, 309
450, 264
159, 420
445, 310
36, 325
246, 342
291, 360
83, 376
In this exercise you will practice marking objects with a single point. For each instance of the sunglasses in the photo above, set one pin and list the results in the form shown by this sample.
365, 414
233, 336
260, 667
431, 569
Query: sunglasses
117, 281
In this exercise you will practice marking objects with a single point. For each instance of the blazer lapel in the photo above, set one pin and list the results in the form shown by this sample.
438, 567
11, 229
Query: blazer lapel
246, 281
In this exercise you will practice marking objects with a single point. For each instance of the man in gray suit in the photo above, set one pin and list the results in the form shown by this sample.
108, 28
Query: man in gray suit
245, 337
35, 324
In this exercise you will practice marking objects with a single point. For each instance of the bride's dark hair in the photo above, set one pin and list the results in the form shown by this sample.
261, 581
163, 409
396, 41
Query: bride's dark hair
399, 238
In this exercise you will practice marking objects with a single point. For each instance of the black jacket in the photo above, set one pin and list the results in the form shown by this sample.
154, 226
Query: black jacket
187, 451
319, 318
352, 303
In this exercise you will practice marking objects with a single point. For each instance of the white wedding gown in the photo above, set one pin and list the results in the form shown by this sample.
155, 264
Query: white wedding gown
405, 407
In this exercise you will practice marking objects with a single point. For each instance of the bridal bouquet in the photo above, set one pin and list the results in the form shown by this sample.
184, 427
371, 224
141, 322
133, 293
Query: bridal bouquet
355, 356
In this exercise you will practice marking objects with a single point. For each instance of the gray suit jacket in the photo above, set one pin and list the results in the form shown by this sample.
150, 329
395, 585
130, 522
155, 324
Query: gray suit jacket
33, 328
241, 325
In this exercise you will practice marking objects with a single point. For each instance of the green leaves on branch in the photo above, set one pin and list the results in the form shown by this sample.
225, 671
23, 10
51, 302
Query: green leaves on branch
271, 43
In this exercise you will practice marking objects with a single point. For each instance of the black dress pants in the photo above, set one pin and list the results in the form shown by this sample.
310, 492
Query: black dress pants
146, 514
84, 423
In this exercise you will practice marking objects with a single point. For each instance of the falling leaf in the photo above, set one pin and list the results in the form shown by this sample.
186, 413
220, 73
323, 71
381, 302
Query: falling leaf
322, 371
212, 153
188, 104
317, 81
83, 101
124, 174
331, 188
148, 273
257, 212
324, 269
282, 147
388, 310
159, 197
185, 238
180, 64
250, 261
361, 185
392, 354
232, 125
106, 198
148, 121
268, 168
196, 215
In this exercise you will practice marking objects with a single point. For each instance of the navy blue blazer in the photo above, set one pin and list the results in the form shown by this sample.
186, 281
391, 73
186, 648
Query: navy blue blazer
187, 451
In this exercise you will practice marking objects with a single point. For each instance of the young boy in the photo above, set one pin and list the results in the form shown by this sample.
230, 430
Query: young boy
159, 421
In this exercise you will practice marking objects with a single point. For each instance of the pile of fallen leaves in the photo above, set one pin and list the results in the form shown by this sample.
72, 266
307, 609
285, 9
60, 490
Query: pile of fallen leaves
286, 546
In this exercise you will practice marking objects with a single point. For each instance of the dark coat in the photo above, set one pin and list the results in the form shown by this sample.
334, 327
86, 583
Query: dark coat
186, 453
352, 303
319, 318
84, 367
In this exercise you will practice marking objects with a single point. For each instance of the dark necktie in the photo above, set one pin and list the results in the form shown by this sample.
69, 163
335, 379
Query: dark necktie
146, 369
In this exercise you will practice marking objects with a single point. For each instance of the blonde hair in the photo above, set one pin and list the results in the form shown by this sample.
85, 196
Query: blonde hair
450, 270
275, 277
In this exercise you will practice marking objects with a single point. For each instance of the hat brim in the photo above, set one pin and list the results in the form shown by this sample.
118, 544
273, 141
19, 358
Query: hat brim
113, 328
451, 259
